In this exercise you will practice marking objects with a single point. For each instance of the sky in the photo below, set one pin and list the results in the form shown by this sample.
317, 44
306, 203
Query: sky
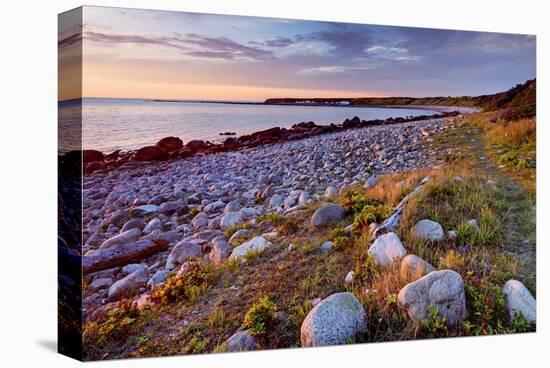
130, 53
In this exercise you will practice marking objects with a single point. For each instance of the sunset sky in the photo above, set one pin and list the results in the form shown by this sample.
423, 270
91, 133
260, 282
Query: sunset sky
156, 54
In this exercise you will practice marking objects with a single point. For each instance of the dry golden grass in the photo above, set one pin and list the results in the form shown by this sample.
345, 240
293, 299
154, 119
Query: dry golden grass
511, 145
515, 133
392, 188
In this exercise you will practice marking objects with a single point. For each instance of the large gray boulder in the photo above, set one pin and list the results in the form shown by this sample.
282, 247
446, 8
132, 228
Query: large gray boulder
136, 223
333, 321
127, 286
239, 234
131, 268
126, 237
241, 341
257, 244
144, 210
428, 230
171, 207
519, 300
276, 201
386, 249
232, 206
231, 219
183, 251
303, 199
328, 214
330, 192
100, 283
414, 267
117, 218
154, 224
289, 202
214, 207
441, 289
200, 221
158, 278
220, 251
371, 181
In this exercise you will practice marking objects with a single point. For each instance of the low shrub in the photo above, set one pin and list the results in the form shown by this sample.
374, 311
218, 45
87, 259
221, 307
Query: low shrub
193, 212
228, 233
434, 325
275, 218
486, 307
187, 287
370, 214
260, 317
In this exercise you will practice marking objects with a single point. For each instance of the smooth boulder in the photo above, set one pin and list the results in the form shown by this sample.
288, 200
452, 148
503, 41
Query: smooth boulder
183, 251
220, 251
386, 249
127, 286
327, 215
414, 267
330, 192
519, 301
151, 153
442, 289
256, 244
92, 156
126, 237
429, 230
276, 200
333, 321
136, 223
170, 144
158, 278
231, 219
241, 341
196, 145
154, 224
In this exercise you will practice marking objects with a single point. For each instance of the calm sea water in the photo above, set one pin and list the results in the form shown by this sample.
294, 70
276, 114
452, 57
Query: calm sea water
111, 124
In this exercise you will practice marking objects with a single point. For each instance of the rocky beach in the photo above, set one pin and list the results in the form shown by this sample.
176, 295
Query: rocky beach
225, 189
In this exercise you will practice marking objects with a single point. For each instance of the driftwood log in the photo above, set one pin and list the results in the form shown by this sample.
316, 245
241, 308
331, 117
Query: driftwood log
122, 254
392, 222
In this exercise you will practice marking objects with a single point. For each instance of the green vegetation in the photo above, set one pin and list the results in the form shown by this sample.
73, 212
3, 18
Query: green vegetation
364, 209
115, 325
512, 145
284, 225
340, 238
186, 287
193, 212
274, 218
260, 317
228, 233
434, 325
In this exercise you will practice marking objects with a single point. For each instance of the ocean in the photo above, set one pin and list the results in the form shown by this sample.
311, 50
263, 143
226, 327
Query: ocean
112, 124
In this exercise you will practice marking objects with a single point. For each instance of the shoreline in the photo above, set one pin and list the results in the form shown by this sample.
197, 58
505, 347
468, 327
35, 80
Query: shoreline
172, 147
435, 108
